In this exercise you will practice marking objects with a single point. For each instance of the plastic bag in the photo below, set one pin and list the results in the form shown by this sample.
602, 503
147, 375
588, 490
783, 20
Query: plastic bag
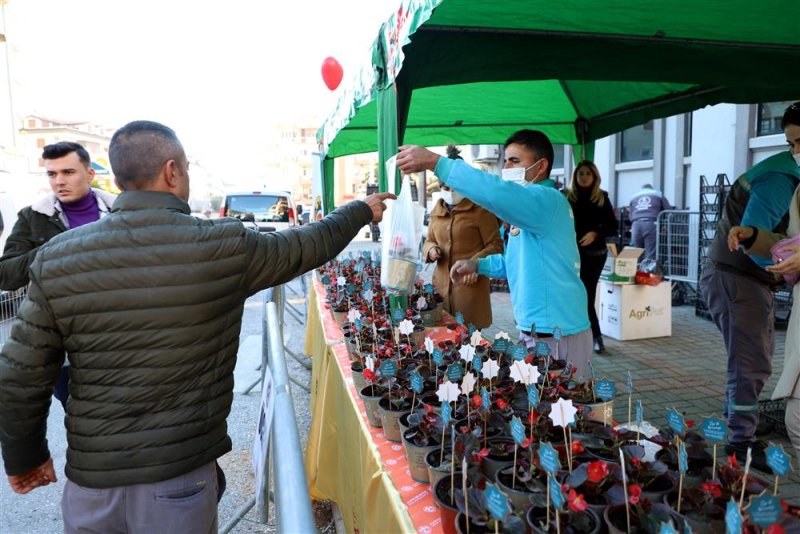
399, 253
649, 273
779, 253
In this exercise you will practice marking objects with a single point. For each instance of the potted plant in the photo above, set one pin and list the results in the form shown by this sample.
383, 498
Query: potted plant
423, 435
473, 509
394, 404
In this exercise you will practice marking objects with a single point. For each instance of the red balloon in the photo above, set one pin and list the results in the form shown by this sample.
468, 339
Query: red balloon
332, 73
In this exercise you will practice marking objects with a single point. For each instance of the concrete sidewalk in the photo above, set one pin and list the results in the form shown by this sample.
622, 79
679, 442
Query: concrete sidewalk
685, 371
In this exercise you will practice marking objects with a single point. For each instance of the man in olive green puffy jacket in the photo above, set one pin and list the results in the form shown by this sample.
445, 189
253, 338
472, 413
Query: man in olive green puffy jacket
147, 304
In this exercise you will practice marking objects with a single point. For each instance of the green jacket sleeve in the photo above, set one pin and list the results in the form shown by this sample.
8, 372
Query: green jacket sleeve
279, 257
29, 365
18, 254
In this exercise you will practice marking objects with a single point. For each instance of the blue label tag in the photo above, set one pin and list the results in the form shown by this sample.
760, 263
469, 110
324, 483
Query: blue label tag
556, 496
676, 421
533, 396
485, 404
542, 349
557, 333
500, 345
351, 289
477, 363
605, 389
455, 372
715, 430
367, 253
374, 264
733, 518
359, 267
358, 324
367, 285
667, 528
496, 502
388, 368
416, 382
765, 510
398, 314
459, 318
778, 461
428, 288
326, 280
629, 383
639, 414
548, 458
683, 458
471, 329
446, 413
437, 357
517, 430
519, 352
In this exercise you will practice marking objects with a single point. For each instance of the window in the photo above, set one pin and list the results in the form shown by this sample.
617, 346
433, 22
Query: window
40, 143
769, 118
687, 135
636, 143
558, 156
31, 123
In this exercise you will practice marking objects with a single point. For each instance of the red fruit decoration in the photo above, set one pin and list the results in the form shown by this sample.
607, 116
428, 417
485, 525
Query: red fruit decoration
332, 73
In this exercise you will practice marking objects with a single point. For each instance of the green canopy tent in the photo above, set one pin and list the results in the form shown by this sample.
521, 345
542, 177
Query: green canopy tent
473, 72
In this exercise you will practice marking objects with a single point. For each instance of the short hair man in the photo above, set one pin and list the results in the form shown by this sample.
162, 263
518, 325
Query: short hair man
72, 203
644, 208
541, 261
147, 303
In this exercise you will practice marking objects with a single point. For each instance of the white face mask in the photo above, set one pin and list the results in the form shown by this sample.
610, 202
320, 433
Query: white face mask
797, 158
517, 174
451, 197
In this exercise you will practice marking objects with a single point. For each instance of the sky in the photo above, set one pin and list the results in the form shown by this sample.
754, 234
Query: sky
219, 73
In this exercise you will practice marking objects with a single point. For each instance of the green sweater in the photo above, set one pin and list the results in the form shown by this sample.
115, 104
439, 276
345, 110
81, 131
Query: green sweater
147, 304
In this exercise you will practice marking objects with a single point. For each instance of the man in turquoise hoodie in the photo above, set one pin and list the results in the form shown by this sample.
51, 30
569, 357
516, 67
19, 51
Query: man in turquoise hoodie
541, 260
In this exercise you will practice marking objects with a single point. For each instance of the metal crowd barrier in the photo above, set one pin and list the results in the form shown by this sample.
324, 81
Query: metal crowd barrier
292, 501
9, 304
677, 250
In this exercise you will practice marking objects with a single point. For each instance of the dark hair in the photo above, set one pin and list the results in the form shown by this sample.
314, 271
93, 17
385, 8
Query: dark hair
537, 142
63, 148
791, 116
453, 152
139, 149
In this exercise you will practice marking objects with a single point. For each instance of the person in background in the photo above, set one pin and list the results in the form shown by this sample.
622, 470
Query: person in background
460, 229
644, 209
72, 203
739, 291
147, 304
594, 222
757, 242
541, 262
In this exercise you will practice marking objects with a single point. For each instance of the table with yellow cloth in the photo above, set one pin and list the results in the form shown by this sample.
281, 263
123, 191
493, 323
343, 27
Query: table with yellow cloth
347, 460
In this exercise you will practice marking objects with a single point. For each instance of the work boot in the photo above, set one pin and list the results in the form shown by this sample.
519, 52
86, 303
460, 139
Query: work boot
758, 458
599, 347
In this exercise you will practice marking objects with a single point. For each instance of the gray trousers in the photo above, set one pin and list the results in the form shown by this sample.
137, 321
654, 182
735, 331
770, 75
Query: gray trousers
576, 349
744, 313
643, 235
184, 504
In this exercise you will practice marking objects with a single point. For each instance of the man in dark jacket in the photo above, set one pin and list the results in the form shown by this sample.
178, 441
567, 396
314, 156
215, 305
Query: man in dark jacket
72, 203
644, 209
147, 304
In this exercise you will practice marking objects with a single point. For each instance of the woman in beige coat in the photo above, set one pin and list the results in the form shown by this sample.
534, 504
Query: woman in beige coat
460, 229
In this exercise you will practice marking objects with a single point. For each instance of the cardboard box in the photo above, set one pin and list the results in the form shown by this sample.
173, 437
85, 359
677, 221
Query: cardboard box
621, 268
634, 311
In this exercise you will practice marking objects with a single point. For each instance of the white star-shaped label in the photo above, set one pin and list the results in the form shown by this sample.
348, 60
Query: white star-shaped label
524, 372
562, 412
406, 327
448, 392
429, 345
467, 383
476, 338
370, 363
353, 315
490, 369
466, 352
422, 303
368, 295
502, 335
341, 281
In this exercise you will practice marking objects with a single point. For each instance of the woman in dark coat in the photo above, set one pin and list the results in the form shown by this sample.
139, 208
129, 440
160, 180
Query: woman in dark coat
594, 222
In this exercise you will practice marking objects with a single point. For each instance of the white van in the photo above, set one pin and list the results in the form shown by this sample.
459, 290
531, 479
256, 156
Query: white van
266, 211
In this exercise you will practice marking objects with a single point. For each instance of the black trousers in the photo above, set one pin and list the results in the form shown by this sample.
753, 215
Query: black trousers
591, 267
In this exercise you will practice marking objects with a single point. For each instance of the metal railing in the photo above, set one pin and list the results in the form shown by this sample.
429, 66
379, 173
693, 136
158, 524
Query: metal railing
677, 244
284, 455
9, 304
